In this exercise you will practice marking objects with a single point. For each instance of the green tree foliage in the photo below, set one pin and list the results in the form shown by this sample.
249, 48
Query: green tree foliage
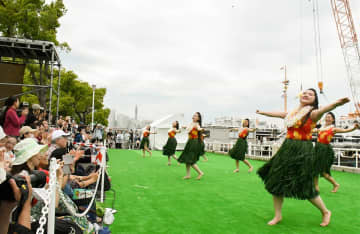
36, 20
75, 98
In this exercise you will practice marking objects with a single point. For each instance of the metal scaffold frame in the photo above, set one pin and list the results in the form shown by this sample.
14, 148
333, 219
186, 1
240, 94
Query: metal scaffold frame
24, 51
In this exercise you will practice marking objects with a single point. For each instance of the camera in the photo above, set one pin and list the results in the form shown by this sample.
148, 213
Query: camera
37, 179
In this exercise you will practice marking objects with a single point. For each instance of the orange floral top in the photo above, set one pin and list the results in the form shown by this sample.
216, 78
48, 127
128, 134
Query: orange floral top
325, 136
146, 134
244, 133
194, 133
172, 134
303, 133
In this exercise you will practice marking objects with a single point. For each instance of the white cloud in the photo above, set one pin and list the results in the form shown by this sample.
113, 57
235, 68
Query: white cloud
203, 55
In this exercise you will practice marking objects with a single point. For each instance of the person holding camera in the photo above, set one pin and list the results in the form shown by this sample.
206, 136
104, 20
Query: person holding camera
10, 121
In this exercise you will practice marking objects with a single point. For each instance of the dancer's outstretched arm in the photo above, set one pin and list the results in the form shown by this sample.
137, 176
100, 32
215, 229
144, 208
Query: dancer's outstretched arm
341, 130
275, 114
318, 113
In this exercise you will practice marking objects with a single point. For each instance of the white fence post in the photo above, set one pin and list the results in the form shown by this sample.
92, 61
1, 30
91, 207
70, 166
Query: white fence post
53, 189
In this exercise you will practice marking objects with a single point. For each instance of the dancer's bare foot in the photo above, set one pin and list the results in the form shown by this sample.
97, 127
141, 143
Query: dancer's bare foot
186, 177
250, 169
169, 164
199, 176
335, 189
236, 170
326, 219
275, 221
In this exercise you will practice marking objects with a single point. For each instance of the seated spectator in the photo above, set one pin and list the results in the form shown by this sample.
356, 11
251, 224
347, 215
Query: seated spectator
10, 121
34, 115
27, 132
9, 147
29, 156
45, 124
28, 153
59, 137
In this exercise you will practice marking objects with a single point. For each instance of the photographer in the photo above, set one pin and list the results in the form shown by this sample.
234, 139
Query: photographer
10, 121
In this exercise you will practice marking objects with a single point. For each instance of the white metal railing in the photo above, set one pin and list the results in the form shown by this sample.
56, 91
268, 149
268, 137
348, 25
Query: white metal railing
51, 199
345, 157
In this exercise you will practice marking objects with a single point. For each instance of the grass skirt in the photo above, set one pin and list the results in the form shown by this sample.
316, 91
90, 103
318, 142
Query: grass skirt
144, 142
202, 151
191, 153
324, 158
290, 172
239, 150
170, 147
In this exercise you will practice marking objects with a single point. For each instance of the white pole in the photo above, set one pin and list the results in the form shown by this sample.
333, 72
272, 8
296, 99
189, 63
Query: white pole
93, 107
103, 163
53, 188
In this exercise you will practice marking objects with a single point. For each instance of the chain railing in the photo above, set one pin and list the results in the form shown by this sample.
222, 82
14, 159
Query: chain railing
48, 211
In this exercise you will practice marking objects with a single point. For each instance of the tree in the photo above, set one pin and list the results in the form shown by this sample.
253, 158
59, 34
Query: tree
75, 98
36, 20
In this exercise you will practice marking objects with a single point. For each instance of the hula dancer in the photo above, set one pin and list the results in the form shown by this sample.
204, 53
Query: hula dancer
241, 146
192, 149
324, 154
202, 153
144, 145
290, 172
170, 147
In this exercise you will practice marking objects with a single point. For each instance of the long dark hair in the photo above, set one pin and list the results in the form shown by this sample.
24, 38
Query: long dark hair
177, 125
315, 106
248, 126
333, 116
8, 103
19, 168
200, 118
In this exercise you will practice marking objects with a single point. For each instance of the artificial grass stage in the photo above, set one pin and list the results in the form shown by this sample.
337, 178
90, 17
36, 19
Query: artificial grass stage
152, 197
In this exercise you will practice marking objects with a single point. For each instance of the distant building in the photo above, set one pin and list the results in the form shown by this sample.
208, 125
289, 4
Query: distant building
121, 121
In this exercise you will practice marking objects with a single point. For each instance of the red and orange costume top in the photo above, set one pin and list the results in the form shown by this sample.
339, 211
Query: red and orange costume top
325, 136
301, 131
194, 133
146, 134
244, 133
172, 134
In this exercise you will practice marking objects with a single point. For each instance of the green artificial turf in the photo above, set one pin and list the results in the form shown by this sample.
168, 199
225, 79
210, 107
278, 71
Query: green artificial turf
152, 197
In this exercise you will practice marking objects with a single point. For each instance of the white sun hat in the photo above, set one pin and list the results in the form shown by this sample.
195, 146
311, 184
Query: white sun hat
26, 149
59, 133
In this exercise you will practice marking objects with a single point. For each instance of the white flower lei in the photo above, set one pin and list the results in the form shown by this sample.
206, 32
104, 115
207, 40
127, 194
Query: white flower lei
292, 118
326, 128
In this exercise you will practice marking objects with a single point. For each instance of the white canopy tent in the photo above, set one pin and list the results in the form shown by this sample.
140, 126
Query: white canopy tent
162, 126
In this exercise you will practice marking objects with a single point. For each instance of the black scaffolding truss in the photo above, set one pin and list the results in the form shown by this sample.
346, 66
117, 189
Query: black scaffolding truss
24, 51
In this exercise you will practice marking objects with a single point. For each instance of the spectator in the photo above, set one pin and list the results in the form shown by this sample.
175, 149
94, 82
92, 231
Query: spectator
11, 122
119, 140
79, 137
109, 138
60, 139
9, 147
27, 132
28, 153
34, 115
126, 140
45, 124
98, 133
131, 139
